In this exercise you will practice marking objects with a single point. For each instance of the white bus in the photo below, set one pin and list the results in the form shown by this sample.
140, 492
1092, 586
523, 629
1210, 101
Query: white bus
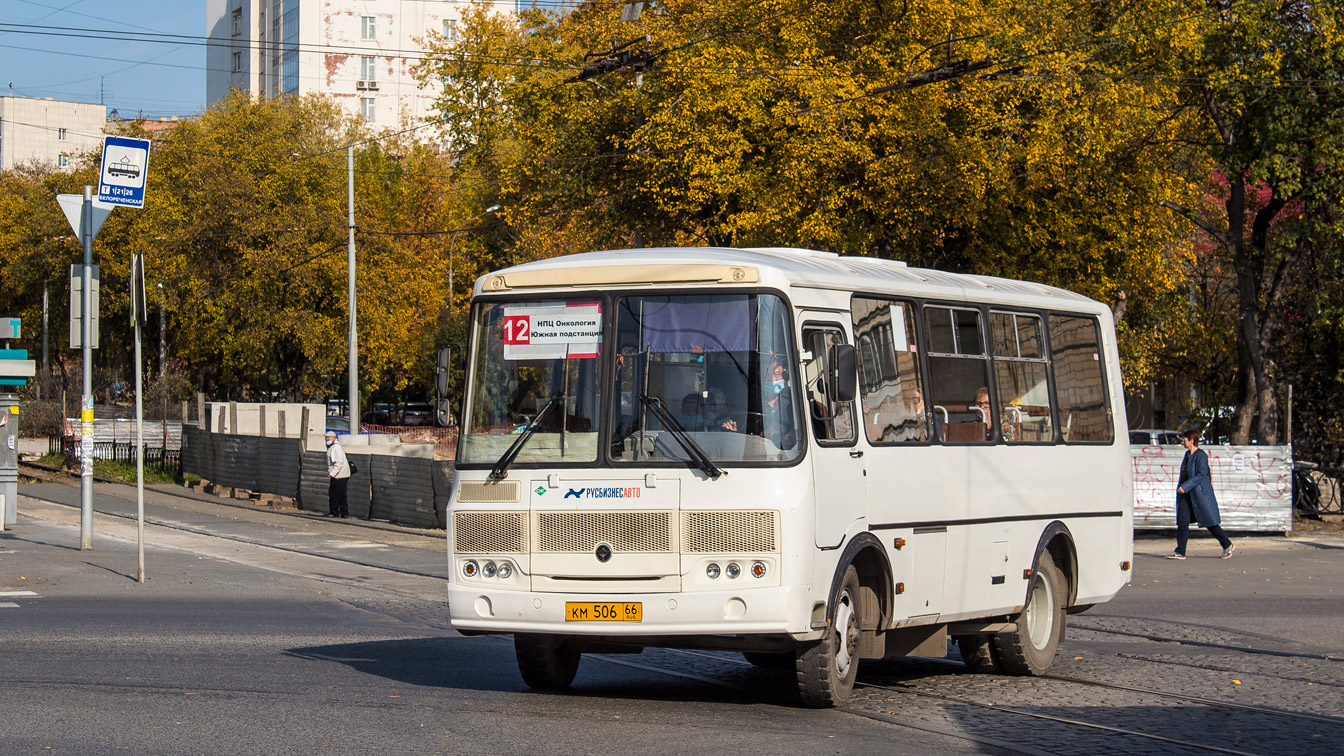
807, 458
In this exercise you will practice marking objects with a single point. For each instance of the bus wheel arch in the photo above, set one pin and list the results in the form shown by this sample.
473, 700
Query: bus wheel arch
859, 605
1030, 647
1057, 541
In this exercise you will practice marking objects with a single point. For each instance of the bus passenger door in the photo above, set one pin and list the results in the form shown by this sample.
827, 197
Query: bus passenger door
837, 461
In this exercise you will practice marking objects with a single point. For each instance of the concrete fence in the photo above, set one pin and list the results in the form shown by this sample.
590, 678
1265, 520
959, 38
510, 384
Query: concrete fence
400, 483
1253, 484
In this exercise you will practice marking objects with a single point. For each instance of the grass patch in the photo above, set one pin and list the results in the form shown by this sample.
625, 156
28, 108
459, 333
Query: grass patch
52, 460
125, 472
191, 478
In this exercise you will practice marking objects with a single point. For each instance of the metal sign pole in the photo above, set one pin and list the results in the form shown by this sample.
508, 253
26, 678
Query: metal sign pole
86, 402
137, 312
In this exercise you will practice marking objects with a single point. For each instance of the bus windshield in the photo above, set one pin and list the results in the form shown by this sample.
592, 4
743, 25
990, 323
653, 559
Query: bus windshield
718, 364
694, 373
534, 356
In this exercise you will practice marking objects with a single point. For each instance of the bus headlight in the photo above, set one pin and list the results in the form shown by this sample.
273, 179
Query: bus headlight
469, 568
505, 570
758, 569
488, 570
734, 569
712, 571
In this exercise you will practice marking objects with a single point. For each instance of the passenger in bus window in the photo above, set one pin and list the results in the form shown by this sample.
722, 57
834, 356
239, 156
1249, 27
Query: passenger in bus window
717, 416
982, 406
777, 409
690, 417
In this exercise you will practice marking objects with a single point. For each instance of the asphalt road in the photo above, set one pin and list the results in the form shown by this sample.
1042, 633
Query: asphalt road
336, 642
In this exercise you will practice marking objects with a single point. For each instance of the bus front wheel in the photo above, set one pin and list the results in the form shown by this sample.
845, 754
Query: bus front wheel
547, 662
1030, 649
827, 668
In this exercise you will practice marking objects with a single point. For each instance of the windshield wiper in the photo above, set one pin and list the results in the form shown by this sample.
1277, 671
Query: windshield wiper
693, 450
501, 467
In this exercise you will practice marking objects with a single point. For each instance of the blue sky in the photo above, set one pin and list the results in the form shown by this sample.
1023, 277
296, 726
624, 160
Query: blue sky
134, 76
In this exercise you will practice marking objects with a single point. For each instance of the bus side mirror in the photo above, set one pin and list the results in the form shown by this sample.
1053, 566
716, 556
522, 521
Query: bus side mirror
443, 412
443, 362
844, 377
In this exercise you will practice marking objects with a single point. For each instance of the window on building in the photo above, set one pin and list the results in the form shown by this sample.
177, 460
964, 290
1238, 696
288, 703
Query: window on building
63, 161
368, 28
450, 31
366, 109
237, 22
60, 134
237, 64
368, 68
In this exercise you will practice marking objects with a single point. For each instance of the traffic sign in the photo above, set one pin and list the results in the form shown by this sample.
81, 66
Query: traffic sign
15, 367
10, 328
125, 163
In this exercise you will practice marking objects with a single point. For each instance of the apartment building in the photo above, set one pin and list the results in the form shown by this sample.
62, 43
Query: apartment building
358, 52
43, 131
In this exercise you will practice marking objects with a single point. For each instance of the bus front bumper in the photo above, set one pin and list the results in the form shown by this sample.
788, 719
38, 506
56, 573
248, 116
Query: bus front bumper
774, 610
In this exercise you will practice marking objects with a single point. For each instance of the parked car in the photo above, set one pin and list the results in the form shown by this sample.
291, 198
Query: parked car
1150, 437
416, 413
381, 413
340, 425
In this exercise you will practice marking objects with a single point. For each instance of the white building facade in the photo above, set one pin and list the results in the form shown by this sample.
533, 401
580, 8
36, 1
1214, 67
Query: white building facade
47, 132
361, 53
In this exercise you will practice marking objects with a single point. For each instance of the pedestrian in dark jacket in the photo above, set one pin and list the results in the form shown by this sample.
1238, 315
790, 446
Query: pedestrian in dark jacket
1195, 500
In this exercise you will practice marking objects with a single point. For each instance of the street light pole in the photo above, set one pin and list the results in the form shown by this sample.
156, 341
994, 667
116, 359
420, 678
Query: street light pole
350, 282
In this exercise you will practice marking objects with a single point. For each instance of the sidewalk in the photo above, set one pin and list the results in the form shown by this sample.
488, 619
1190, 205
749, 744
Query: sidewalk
361, 542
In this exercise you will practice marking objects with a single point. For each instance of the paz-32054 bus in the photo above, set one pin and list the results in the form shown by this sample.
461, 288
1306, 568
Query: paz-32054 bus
807, 458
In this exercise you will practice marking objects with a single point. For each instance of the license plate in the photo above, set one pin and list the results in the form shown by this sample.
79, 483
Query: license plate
604, 611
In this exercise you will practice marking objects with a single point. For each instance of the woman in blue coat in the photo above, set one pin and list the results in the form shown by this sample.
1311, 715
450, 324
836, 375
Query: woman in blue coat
1195, 500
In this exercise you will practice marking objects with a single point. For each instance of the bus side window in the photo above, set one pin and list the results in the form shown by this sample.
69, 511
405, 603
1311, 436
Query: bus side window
959, 374
894, 410
1080, 385
1020, 376
831, 421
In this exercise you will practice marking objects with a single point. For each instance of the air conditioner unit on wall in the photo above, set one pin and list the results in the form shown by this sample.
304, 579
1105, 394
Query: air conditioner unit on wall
370, 84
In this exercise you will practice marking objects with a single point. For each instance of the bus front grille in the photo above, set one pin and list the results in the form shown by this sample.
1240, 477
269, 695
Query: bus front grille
731, 532
490, 532
626, 532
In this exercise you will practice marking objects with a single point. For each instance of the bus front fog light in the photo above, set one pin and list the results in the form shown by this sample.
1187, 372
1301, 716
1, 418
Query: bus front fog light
733, 570
488, 570
505, 570
712, 571
470, 569
758, 569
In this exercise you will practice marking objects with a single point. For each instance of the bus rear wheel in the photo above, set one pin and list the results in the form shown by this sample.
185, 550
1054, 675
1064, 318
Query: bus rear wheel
827, 668
547, 662
1030, 649
979, 654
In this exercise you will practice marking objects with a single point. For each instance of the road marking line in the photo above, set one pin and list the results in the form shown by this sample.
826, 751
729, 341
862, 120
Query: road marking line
10, 594
8, 605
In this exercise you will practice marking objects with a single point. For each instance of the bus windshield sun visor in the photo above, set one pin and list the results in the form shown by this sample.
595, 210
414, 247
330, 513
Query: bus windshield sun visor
693, 450
501, 467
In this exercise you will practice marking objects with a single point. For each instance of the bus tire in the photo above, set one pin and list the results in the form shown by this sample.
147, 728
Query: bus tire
547, 662
979, 655
827, 668
769, 659
1030, 649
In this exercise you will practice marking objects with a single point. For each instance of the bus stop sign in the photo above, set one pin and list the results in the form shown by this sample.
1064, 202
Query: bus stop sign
125, 163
